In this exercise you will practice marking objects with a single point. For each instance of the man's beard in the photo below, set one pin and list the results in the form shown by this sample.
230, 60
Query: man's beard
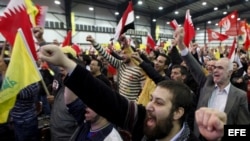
161, 130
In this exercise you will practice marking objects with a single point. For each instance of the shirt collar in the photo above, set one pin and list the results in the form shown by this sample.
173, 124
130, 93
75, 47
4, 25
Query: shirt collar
178, 134
226, 88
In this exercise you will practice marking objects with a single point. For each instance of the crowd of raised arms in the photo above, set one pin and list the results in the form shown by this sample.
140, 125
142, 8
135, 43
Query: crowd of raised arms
179, 94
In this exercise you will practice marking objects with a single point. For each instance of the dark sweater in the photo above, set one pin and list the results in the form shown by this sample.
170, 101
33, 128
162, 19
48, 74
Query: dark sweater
109, 104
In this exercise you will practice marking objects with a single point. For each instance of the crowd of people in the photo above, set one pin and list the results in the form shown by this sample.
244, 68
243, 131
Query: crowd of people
176, 95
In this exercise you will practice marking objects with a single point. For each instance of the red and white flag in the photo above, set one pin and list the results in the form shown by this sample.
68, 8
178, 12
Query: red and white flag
150, 43
14, 17
213, 35
188, 29
231, 53
229, 23
67, 40
174, 24
40, 17
247, 41
126, 22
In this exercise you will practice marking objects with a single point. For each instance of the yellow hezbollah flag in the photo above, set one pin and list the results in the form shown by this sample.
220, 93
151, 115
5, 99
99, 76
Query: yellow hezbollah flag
22, 71
73, 25
32, 10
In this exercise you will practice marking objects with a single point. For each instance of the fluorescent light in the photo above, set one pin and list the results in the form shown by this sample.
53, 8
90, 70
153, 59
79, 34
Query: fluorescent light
57, 2
225, 12
160, 7
204, 3
197, 28
116, 13
154, 20
216, 24
176, 12
91, 8
137, 17
209, 22
140, 2
215, 8
238, 19
168, 22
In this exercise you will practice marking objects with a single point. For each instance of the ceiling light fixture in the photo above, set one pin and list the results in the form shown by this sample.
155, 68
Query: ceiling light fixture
216, 24
116, 13
91, 8
167, 22
137, 17
140, 2
57, 2
225, 12
204, 3
154, 20
176, 12
160, 7
197, 28
215, 8
209, 22
238, 19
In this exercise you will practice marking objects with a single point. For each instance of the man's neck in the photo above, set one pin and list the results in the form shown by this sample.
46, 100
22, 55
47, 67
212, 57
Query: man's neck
222, 86
97, 74
99, 124
176, 128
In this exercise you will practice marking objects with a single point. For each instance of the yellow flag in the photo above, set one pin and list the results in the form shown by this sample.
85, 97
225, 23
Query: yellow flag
22, 71
157, 32
32, 10
73, 25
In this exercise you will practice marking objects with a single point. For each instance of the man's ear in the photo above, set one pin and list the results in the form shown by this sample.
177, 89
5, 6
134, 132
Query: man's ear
178, 113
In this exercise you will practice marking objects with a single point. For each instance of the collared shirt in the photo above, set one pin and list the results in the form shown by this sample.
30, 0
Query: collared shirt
219, 97
178, 134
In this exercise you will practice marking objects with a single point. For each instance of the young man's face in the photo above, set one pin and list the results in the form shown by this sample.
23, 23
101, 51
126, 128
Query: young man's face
160, 63
91, 115
159, 118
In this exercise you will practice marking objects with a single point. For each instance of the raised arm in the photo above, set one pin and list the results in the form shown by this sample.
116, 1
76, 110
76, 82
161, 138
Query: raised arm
111, 59
193, 65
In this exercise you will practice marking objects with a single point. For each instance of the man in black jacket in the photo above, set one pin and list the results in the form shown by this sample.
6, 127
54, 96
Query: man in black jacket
162, 119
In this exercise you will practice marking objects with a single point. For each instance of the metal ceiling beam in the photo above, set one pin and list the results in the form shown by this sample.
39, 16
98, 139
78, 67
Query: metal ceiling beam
167, 10
204, 12
200, 13
221, 16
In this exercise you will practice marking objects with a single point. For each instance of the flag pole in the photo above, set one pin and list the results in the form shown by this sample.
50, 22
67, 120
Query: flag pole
2, 51
34, 63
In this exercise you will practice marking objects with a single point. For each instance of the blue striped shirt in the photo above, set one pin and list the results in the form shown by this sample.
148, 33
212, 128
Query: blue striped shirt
25, 108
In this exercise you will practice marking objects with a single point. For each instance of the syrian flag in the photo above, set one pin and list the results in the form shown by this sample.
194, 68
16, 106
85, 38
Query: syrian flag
231, 53
150, 43
188, 29
174, 24
213, 35
126, 22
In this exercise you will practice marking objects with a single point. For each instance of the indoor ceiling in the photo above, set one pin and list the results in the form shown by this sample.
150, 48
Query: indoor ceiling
200, 12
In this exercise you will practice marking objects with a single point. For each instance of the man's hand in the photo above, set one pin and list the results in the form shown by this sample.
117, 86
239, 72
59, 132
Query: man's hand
178, 37
53, 54
211, 123
91, 40
137, 57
